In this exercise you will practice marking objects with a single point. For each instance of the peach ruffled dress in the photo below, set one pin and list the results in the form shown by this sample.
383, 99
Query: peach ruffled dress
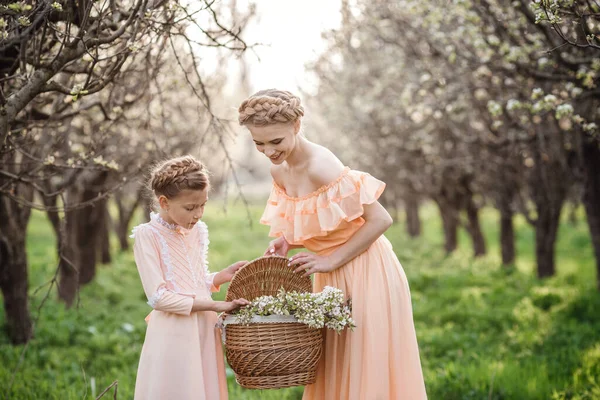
379, 360
182, 356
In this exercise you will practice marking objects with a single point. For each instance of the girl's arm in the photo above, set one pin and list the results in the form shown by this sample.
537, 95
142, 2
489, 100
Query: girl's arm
146, 253
160, 298
377, 221
218, 306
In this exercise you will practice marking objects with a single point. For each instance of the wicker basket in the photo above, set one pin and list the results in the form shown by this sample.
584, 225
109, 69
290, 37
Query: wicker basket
271, 355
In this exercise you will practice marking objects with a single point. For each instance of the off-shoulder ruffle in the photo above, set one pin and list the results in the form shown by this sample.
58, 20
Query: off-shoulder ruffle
302, 218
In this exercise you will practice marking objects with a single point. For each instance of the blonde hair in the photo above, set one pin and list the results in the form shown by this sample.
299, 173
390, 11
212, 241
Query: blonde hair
270, 106
171, 177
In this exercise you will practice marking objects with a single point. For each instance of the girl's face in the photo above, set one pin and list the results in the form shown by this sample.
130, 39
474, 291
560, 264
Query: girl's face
185, 209
276, 141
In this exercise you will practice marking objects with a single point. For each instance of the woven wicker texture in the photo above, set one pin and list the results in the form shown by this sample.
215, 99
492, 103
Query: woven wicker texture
264, 277
271, 355
277, 382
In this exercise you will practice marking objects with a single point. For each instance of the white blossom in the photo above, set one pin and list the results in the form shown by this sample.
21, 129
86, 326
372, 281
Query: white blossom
536, 93
513, 104
564, 110
591, 127
494, 108
317, 310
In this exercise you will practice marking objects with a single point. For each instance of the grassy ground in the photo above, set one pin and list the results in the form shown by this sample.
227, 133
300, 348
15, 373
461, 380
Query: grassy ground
485, 332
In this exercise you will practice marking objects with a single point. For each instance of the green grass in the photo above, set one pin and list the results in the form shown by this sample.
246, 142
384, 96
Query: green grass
485, 332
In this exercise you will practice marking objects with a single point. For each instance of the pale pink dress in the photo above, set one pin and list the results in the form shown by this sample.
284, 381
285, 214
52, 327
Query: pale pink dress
182, 356
379, 360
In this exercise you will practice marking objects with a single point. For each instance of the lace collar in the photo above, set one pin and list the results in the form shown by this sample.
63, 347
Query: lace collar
173, 227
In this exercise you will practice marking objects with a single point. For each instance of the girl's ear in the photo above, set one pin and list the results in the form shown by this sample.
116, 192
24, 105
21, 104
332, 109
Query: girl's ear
297, 126
163, 202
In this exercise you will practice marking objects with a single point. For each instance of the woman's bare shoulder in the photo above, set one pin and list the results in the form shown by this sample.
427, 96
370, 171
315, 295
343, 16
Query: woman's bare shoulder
324, 166
277, 174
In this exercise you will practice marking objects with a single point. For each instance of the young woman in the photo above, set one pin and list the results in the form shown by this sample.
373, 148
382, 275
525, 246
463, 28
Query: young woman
332, 211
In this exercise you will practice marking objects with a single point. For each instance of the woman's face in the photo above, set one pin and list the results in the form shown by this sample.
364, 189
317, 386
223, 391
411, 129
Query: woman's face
276, 141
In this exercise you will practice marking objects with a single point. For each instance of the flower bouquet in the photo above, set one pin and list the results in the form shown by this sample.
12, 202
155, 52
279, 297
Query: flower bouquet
325, 309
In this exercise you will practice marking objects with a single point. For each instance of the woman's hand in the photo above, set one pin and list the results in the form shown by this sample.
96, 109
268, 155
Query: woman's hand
226, 275
279, 247
226, 306
310, 263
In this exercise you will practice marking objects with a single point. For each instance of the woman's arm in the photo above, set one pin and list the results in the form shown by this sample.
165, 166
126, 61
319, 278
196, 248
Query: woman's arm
226, 274
377, 221
280, 247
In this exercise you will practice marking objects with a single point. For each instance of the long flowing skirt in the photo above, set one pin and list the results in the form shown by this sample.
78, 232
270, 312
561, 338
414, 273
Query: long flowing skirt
379, 360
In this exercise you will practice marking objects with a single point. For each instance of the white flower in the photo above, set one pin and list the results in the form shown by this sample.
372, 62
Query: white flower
550, 98
113, 165
76, 89
564, 110
536, 93
317, 310
513, 104
100, 160
494, 108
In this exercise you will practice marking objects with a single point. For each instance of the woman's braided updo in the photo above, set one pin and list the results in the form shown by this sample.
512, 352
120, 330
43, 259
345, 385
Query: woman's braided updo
177, 174
270, 106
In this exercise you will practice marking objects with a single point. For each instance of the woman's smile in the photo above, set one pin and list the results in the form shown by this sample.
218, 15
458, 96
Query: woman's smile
276, 156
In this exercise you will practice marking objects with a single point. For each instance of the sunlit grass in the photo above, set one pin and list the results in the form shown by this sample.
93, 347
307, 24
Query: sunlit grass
485, 331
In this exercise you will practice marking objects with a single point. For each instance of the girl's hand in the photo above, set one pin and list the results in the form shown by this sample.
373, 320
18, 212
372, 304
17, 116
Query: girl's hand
226, 275
279, 247
310, 263
226, 306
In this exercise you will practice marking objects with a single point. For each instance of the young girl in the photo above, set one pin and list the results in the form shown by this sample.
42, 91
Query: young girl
181, 357
321, 205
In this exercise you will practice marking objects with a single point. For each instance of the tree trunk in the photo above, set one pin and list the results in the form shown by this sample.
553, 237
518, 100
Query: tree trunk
123, 234
413, 222
450, 221
591, 197
105, 223
84, 238
88, 222
53, 216
545, 236
125, 216
148, 205
507, 236
83, 227
13, 265
68, 282
549, 183
474, 227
